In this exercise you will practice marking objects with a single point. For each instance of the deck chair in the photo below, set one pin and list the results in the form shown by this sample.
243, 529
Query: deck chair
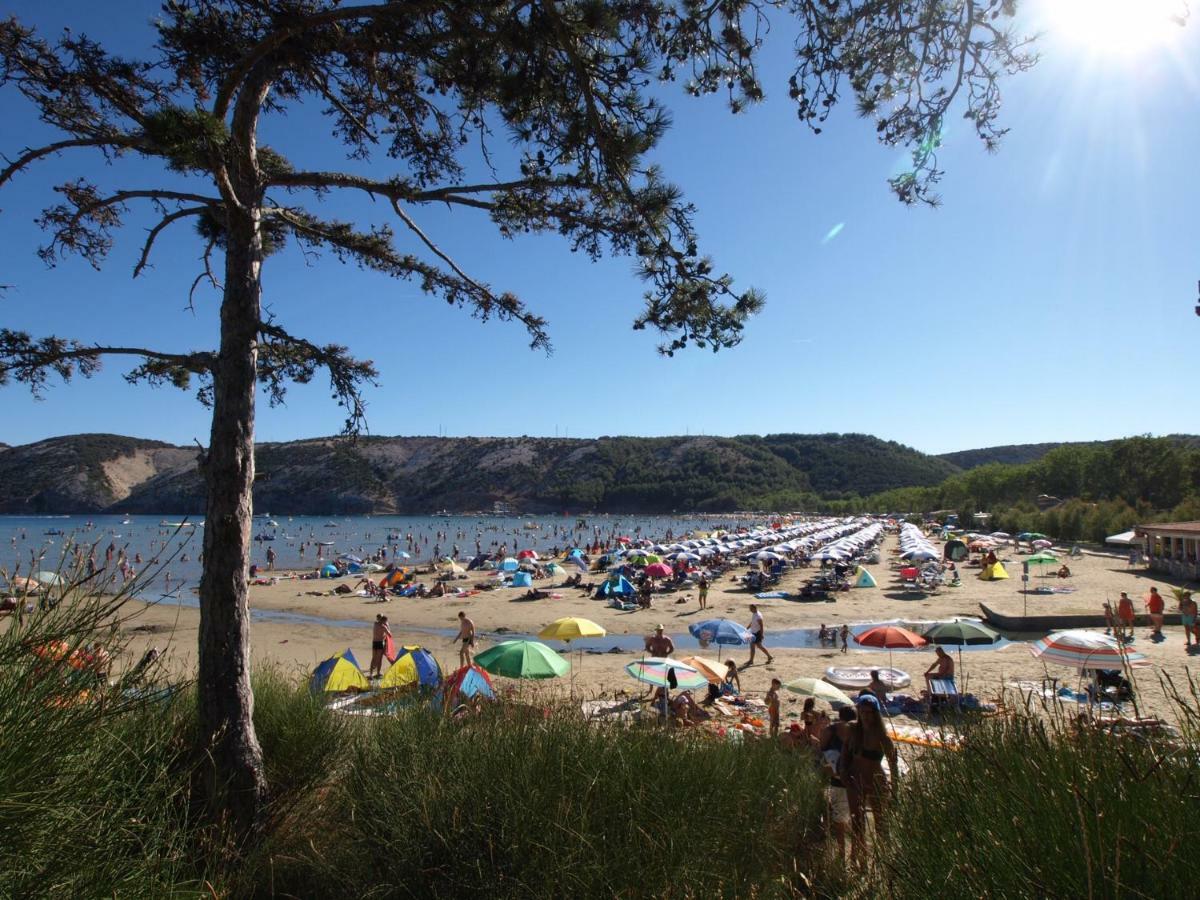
943, 692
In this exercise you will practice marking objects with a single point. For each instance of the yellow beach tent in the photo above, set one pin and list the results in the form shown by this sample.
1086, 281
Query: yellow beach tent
994, 572
338, 673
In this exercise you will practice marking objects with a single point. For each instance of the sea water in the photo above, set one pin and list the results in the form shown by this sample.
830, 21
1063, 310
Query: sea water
158, 547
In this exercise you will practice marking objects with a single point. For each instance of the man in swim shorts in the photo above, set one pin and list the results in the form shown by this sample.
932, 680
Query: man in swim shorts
757, 630
466, 634
1125, 616
379, 635
1187, 618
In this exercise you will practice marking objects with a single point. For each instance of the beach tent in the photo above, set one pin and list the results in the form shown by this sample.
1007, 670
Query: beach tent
864, 579
522, 579
329, 570
478, 561
616, 587
510, 564
394, 577
955, 551
994, 572
467, 682
338, 673
415, 666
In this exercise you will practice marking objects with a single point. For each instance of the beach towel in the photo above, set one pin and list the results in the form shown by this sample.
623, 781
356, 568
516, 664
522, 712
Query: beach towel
773, 595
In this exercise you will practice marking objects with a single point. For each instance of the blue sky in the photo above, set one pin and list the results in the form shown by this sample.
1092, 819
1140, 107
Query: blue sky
1050, 298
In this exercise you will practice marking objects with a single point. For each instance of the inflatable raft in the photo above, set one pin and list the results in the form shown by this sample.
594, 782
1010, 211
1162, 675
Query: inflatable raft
855, 678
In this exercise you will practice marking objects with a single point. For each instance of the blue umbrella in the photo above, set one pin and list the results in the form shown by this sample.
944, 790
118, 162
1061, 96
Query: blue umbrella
721, 631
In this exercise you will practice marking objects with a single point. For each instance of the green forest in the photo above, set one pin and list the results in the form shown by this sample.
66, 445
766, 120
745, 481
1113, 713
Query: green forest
1073, 492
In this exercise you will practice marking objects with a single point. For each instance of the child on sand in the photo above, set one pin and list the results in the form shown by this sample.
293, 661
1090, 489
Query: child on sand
772, 699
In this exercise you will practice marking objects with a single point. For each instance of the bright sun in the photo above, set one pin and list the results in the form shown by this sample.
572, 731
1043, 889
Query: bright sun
1116, 27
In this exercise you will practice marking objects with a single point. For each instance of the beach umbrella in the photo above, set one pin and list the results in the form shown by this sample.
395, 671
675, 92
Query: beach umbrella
527, 554
691, 557
48, 579
821, 690
659, 570
522, 659
1042, 558
711, 669
1042, 544
961, 633
1079, 649
656, 671
893, 637
720, 631
571, 628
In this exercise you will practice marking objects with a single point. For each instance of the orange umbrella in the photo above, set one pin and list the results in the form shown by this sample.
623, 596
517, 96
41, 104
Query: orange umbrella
893, 637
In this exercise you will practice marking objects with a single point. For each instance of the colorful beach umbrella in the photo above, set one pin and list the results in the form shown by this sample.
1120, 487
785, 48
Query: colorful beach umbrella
1079, 649
821, 690
522, 659
657, 671
571, 628
720, 631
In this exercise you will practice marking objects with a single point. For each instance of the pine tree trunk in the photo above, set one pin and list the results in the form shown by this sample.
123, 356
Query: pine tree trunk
234, 783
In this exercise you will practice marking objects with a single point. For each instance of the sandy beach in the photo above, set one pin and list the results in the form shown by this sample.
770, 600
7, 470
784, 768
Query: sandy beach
328, 623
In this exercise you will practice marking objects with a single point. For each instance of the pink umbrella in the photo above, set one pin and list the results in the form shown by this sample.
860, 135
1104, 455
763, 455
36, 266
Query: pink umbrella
1040, 545
659, 570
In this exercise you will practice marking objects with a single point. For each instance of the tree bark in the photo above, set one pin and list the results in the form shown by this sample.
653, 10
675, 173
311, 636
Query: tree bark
235, 785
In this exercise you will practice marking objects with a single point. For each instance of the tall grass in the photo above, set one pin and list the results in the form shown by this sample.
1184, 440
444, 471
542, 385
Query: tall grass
549, 807
1035, 806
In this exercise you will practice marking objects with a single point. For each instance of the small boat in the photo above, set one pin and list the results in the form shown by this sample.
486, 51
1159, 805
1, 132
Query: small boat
273, 523
54, 531
1047, 623
263, 536
325, 543
331, 524
127, 521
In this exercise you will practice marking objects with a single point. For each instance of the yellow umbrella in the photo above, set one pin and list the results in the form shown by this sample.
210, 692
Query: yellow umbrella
711, 669
571, 628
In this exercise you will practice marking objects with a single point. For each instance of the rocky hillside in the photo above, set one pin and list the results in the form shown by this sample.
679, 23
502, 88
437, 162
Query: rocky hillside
92, 473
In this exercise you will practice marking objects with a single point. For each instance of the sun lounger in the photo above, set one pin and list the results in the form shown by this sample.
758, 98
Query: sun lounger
943, 691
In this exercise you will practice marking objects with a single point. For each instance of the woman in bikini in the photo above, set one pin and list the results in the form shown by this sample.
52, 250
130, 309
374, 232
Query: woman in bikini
866, 746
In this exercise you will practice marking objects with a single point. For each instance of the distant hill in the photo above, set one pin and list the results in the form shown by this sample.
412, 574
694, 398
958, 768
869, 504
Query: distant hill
1019, 454
93, 473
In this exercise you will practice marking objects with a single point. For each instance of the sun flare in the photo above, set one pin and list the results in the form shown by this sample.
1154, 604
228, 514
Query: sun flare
1125, 28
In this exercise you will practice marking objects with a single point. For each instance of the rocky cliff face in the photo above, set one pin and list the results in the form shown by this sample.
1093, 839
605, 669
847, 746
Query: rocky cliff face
417, 475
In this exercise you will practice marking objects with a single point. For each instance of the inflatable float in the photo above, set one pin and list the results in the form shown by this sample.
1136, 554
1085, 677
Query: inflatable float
855, 678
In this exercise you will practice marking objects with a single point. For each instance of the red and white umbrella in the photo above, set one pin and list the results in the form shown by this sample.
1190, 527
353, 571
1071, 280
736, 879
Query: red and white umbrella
527, 554
1080, 649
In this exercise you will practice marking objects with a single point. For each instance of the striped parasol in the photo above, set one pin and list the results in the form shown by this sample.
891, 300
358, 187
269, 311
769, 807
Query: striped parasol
654, 670
1080, 649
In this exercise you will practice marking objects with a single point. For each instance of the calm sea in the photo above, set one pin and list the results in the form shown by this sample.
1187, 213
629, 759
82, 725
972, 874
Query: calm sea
157, 546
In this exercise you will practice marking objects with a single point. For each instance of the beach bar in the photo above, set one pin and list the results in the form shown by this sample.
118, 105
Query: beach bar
1170, 547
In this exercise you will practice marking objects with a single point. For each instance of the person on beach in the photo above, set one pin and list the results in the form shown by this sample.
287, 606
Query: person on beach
1110, 619
943, 667
1125, 616
832, 742
703, 591
845, 634
877, 687
1187, 618
1155, 606
379, 635
271, 557
866, 747
466, 637
658, 644
757, 633
772, 700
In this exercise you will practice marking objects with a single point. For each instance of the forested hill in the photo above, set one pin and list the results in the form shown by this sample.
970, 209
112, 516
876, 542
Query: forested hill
417, 475
1020, 454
